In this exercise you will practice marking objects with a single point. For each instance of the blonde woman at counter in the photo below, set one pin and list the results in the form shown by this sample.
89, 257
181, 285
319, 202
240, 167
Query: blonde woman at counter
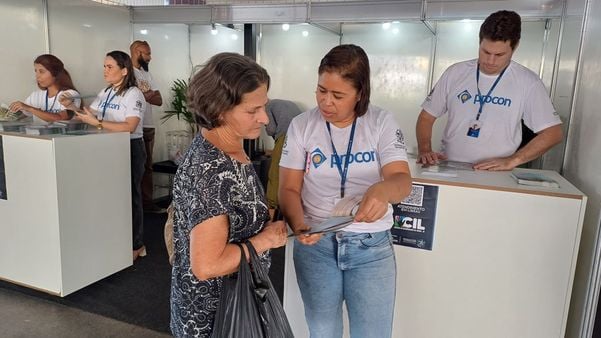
120, 107
53, 81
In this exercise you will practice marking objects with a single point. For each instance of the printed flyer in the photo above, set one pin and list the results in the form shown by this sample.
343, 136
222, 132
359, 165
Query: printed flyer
415, 218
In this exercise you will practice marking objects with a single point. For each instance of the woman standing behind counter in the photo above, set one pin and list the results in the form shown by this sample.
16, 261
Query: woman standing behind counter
53, 80
119, 107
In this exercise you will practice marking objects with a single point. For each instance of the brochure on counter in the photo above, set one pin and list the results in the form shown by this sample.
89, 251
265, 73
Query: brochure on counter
446, 168
534, 179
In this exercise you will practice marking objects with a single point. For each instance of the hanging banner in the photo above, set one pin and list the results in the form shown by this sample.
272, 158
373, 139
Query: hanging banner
2, 175
415, 218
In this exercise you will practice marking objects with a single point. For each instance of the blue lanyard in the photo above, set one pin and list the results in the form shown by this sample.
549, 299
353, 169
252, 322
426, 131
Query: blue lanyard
108, 100
483, 99
53, 102
343, 171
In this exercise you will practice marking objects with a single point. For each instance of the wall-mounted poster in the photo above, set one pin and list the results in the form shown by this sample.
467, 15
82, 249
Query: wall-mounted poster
415, 218
2, 175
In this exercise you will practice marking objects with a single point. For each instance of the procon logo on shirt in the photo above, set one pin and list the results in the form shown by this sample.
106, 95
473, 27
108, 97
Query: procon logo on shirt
465, 96
318, 158
110, 105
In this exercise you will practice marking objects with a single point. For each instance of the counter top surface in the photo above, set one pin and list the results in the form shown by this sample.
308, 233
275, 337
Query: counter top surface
50, 137
493, 180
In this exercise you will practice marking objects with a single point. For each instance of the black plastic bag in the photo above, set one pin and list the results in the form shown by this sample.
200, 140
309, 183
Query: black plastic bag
248, 304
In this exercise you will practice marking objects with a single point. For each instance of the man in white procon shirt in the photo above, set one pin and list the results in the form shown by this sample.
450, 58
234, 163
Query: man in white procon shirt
486, 100
140, 57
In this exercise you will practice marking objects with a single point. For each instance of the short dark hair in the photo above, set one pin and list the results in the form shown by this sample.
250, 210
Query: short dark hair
220, 84
502, 26
352, 64
124, 61
56, 67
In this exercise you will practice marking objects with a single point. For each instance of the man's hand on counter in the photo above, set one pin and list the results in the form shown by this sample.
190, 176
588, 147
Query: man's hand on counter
430, 157
497, 164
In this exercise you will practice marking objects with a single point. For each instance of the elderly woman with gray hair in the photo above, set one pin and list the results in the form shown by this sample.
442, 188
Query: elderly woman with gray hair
217, 195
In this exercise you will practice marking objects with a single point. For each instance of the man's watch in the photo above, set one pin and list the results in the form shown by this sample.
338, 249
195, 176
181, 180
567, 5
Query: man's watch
99, 125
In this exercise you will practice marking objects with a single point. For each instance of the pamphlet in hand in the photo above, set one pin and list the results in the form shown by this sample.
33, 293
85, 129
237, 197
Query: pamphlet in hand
342, 216
534, 179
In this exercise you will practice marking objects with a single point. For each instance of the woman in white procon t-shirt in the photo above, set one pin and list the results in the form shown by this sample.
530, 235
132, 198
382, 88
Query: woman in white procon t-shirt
54, 82
344, 147
119, 107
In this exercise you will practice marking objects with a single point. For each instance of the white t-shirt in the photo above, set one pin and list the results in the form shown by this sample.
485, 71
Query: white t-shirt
519, 94
39, 100
119, 107
144, 81
378, 141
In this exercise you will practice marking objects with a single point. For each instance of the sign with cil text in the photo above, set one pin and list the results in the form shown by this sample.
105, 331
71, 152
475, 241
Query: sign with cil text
415, 218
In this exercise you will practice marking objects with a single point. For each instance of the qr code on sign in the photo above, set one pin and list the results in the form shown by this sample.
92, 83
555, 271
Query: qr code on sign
416, 197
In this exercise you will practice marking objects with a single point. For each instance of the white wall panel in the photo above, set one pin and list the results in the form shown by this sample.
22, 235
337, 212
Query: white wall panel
292, 59
583, 167
203, 44
170, 61
81, 33
23, 38
458, 41
399, 56
564, 85
458, 9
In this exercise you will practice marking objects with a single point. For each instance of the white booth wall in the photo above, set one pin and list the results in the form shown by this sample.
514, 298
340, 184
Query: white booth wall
79, 32
583, 167
20, 21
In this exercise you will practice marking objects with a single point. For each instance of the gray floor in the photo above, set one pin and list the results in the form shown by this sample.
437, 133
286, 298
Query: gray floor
25, 316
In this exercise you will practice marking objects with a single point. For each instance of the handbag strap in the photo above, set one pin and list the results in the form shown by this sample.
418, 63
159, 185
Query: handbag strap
261, 286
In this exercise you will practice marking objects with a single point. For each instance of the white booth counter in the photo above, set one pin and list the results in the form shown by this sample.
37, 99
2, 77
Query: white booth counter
501, 263
65, 209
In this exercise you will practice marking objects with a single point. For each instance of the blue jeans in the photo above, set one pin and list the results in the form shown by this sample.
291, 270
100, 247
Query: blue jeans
357, 268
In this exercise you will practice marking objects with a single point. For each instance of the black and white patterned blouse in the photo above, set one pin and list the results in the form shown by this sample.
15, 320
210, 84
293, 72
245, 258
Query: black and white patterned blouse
209, 183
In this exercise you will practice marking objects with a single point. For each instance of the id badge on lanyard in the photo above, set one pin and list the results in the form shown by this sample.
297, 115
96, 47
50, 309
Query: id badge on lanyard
475, 126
